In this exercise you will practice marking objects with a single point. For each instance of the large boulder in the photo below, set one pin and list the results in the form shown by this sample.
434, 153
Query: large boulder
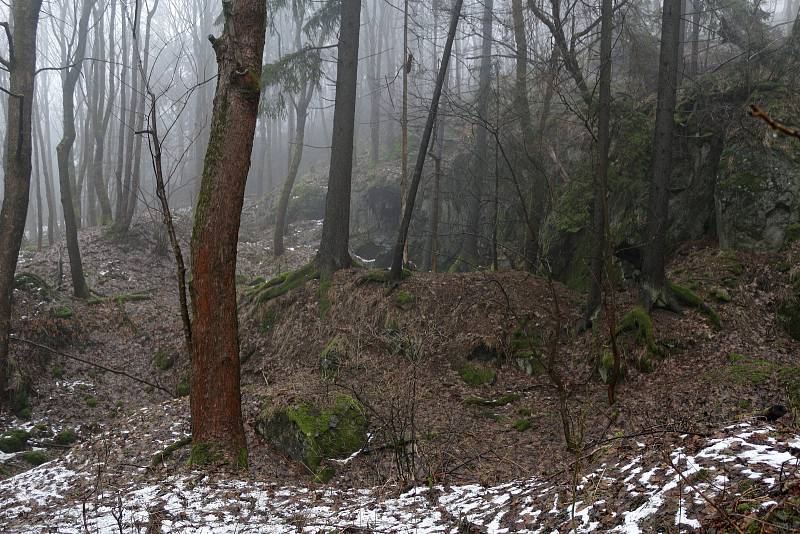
311, 434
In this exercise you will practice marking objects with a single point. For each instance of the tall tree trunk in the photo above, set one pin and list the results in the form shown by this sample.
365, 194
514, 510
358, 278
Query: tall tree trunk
21, 64
142, 63
301, 113
695, 49
123, 224
102, 111
217, 428
397, 259
374, 75
44, 144
124, 126
333, 250
37, 171
468, 257
653, 280
64, 150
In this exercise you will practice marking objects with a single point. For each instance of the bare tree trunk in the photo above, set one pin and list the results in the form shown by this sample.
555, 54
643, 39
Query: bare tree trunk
695, 50
653, 280
44, 144
37, 171
333, 250
217, 428
397, 259
600, 223
136, 178
374, 76
21, 64
407, 65
123, 224
468, 257
64, 150
124, 126
101, 113
301, 113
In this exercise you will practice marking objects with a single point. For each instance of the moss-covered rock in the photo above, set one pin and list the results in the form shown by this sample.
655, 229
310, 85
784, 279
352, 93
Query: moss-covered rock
521, 425
311, 434
639, 321
477, 375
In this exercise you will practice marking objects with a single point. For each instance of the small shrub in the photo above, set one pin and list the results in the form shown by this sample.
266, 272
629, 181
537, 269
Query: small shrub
521, 425
34, 457
66, 437
91, 402
182, 389
13, 440
163, 359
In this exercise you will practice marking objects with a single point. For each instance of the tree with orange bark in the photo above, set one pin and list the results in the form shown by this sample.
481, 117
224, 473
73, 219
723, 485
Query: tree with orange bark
215, 395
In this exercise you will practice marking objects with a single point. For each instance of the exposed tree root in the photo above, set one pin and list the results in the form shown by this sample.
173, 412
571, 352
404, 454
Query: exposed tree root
282, 284
674, 298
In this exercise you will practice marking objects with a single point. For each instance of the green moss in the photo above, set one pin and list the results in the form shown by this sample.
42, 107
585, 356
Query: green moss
639, 321
163, 359
324, 475
746, 370
521, 425
403, 300
475, 375
57, 372
789, 315
63, 312
13, 440
159, 457
524, 347
66, 437
34, 457
333, 432
241, 458
508, 398
203, 454
91, 402
721, 294
182, 389
606, 366
282, 283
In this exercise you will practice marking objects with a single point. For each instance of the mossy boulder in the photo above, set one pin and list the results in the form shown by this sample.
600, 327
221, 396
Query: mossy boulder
310, 434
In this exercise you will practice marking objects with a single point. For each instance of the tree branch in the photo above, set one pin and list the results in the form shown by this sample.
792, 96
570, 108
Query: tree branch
10, 60
758, 113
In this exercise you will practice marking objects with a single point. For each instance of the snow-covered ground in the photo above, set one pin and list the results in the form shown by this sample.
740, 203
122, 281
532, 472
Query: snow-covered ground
642, 492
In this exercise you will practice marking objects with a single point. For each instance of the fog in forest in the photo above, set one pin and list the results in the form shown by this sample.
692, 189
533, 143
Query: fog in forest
399, 265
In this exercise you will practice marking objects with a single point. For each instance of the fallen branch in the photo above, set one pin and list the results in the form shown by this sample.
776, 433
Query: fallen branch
93, 364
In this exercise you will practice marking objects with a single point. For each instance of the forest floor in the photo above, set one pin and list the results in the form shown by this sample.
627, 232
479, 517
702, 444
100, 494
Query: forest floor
683, 448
